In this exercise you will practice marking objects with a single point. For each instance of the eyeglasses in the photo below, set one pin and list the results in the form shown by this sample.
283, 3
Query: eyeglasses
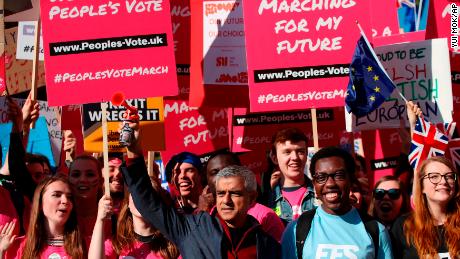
436, 178
394, 194
322, 178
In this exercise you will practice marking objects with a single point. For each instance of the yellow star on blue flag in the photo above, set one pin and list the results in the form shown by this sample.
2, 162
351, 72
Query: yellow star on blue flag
364, 96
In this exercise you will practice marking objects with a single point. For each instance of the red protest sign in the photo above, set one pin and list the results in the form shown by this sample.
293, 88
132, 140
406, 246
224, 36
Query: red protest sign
218, 61
180, 18
298, 55
253, 132
194, 130
443, 21
97, 48
384, 18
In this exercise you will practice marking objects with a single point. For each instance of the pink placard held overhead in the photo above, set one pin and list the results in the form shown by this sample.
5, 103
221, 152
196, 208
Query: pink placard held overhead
199, 131
95, 48
298, 52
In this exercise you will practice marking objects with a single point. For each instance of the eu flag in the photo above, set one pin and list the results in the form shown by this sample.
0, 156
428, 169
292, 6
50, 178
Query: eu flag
369, 84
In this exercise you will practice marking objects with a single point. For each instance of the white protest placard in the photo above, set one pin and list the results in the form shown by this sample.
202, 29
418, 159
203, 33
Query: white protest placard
421, 72
224, 52
26, 41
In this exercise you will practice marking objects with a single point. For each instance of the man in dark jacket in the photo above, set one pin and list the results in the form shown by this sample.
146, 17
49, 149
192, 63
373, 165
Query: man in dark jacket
228, 233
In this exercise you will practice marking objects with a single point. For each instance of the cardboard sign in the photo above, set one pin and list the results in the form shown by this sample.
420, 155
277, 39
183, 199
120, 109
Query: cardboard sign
51, 121
420, 71
122, 46
26, 41
443, 21
19, 72
384, 18
219, 75
298, 55
151, 122
253, 132
197, 130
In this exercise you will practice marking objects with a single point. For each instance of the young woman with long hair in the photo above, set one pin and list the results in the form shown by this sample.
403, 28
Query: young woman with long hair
432, 230
85, 177
389, 200
135, 237
53, 229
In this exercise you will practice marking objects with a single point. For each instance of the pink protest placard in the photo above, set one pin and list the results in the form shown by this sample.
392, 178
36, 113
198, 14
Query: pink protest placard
95, 48
298, 52
252, 132
180, 18
384, 18
443, 21
199, 131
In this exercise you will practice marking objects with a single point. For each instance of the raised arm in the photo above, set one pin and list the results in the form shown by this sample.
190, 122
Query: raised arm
149, 202
21, 118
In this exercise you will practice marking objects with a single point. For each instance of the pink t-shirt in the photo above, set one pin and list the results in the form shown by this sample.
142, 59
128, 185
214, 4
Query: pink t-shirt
8, 211
139, 251
295, 200
48, 252
269, 221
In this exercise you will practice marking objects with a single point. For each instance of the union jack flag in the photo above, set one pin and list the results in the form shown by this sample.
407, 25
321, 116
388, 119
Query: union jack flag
427, 141
449, 129
453, 152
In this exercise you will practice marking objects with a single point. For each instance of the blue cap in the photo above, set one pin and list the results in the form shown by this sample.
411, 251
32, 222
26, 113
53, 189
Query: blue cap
183, 157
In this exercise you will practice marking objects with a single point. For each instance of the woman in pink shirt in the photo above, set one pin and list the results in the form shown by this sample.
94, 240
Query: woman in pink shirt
53, 224
135, 238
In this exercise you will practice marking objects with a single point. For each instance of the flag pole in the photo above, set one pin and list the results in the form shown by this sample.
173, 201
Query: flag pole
419, 15
377, 59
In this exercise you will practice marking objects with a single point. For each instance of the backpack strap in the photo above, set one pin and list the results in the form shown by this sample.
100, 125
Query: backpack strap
372, 227
302, 229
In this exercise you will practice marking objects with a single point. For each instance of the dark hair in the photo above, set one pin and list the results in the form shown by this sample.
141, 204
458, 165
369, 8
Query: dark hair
224, 152
287, 134
30, 158
405, 205
180, 158
334, 152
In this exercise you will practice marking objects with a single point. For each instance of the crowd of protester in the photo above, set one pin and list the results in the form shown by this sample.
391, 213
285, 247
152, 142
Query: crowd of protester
218, 210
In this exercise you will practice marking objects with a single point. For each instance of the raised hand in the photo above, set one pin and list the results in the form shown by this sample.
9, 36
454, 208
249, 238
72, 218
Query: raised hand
6, 236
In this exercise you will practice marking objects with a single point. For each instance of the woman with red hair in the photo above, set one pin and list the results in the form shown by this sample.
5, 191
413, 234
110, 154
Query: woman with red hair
432, 230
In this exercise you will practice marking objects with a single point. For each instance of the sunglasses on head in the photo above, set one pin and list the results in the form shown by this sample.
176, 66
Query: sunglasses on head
392, 193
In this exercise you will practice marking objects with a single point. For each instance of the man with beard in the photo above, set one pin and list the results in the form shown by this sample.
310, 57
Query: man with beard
335, 228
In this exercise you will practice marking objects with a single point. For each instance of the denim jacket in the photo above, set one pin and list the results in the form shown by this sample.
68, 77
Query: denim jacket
281, 205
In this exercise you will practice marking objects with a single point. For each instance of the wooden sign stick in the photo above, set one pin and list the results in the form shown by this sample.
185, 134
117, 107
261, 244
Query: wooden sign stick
35, 63
314, 123
150, 161
105, 148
